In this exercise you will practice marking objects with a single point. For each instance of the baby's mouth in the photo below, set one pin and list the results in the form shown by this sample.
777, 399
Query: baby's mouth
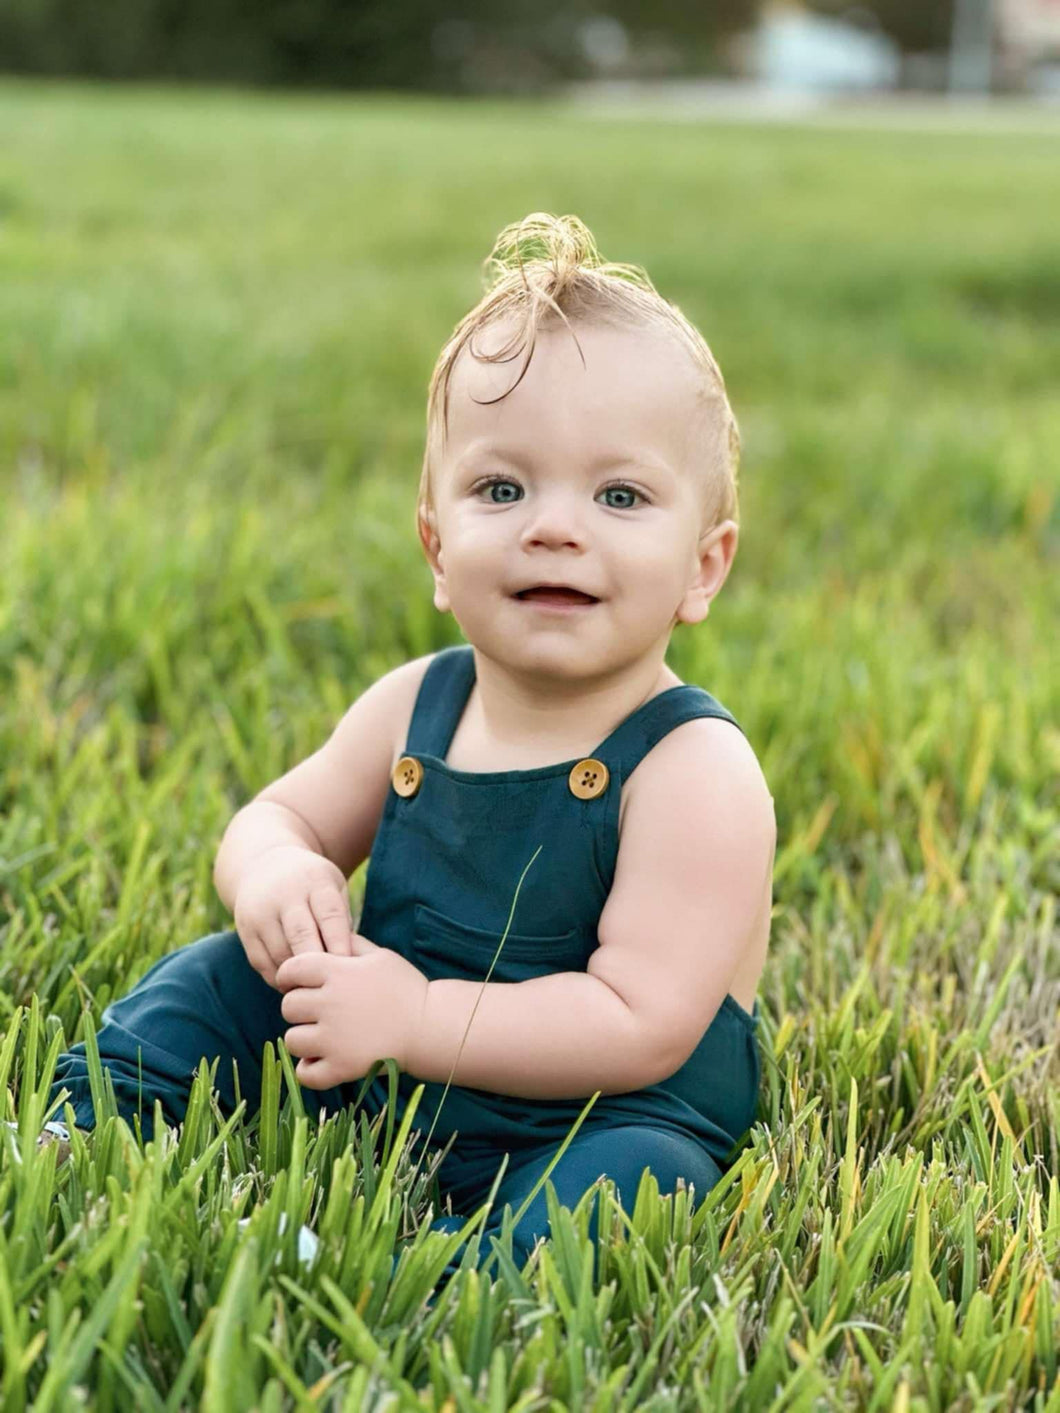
556, 595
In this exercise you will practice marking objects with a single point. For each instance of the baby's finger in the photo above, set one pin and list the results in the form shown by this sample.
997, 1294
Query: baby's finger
257, 954
332, 914
300, 929
273, 941
315, 1073
304, 1041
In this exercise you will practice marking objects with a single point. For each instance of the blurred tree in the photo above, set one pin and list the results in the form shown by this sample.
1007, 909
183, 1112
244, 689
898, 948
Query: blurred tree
351, 43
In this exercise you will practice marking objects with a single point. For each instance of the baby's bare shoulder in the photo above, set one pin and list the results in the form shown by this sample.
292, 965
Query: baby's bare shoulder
341, 789
704, 765
402, 687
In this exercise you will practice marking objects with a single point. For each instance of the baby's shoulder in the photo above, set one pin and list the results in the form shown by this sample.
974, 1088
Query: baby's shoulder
713, 748
407, 676
402, 685
707, 760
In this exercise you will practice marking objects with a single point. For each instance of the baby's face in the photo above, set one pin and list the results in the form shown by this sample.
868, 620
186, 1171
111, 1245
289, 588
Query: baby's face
591, 477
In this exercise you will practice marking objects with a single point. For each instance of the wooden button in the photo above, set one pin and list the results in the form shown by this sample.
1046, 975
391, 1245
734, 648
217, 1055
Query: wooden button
588, 778
407, 776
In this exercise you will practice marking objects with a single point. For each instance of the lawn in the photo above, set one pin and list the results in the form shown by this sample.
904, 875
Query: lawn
218, 315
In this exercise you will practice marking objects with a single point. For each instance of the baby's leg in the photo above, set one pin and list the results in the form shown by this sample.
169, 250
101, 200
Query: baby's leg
204, 999
620, 1153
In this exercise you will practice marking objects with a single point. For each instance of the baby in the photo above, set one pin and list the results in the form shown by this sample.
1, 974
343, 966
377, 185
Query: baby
570, 874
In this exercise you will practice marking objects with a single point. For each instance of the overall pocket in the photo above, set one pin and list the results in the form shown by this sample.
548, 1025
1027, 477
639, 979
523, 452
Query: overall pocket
447, 948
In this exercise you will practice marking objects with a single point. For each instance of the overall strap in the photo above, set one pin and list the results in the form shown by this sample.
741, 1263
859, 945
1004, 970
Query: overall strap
450, 676
440, 701
633, 738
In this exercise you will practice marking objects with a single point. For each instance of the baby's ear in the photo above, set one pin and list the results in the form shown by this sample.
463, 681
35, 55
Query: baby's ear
427, 523
427, 527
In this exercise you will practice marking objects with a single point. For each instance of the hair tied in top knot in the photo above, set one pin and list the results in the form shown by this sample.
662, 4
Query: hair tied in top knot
563, 244
551, 263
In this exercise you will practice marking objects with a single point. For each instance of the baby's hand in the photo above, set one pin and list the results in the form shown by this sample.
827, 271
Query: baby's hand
348, 1012
292, 901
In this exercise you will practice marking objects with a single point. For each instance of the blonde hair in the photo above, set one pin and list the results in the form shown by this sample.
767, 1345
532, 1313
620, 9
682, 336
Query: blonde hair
545, 268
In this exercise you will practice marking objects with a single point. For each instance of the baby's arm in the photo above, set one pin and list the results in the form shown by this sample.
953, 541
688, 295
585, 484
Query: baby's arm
331, 802
562, 1036
693, 885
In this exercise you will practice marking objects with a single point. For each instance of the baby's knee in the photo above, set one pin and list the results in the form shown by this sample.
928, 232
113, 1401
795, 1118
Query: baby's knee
213, 969
219, 950
672, 1158
218, 956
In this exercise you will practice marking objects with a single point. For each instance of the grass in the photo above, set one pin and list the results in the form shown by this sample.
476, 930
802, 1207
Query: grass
219, 314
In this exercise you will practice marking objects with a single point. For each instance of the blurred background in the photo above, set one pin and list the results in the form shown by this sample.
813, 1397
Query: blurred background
233, 239
234, 236
831, 46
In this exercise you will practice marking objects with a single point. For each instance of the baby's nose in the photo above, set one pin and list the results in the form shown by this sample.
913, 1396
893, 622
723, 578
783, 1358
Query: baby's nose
557, 523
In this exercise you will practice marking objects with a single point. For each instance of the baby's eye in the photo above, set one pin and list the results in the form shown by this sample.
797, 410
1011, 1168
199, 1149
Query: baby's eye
505, 484
492, 485
623, 490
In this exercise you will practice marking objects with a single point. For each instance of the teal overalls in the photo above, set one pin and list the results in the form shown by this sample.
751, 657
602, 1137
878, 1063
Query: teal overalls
447, 856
